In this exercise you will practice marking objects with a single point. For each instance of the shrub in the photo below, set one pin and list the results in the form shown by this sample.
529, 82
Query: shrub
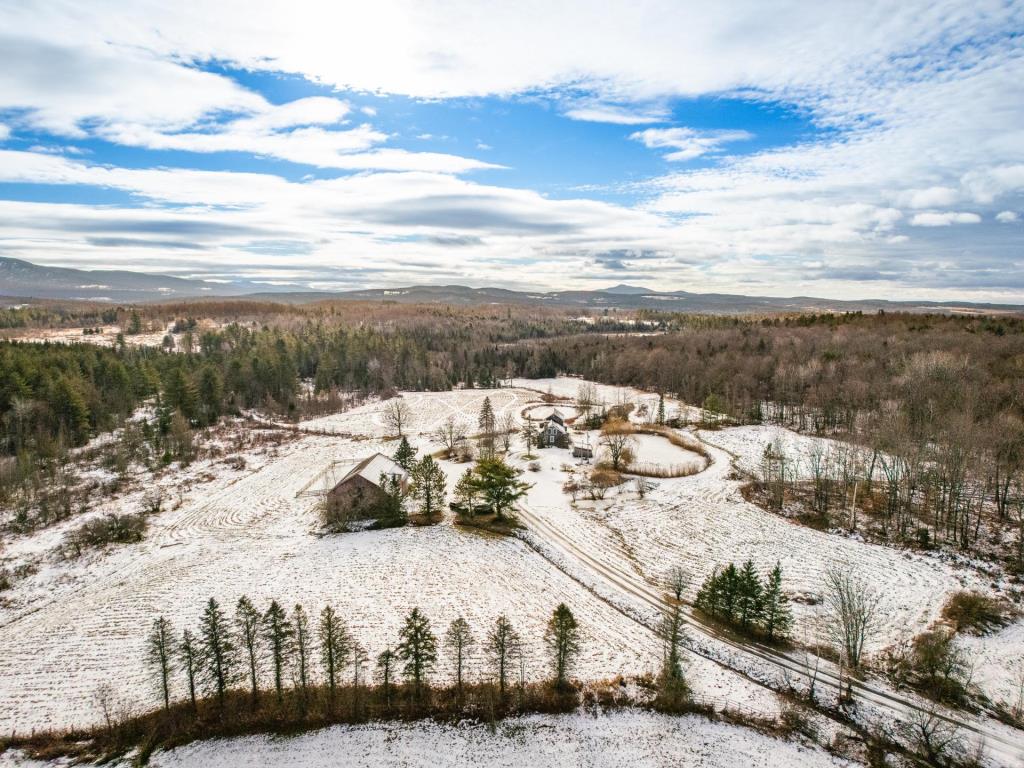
109, 529
974, 612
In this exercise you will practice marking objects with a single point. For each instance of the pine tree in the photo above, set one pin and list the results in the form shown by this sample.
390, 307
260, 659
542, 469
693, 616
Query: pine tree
776, 617
303, 649
502, 641
217, 649
385, 672
211, 394
247, 625
189, 651
661, 409
748, 597
428, 486
488, 425
460, 641
278, 632
405, 455
496, 481
335, 647
417, 648
160, 654
729, 593
563, 641
466, 493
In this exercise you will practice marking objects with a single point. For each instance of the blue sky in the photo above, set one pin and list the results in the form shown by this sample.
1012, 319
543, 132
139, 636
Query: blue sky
782, 148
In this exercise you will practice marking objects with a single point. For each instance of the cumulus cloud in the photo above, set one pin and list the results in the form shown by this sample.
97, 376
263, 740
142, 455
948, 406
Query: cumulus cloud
1007, 217
943, 219
915, 118
687, 143
5, 131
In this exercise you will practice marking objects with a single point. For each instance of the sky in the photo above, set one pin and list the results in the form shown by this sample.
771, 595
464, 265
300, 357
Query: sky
841, 149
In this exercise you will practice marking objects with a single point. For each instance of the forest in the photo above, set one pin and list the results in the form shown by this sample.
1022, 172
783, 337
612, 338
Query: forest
936, 401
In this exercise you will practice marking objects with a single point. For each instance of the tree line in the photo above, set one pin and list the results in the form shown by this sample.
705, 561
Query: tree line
280, 651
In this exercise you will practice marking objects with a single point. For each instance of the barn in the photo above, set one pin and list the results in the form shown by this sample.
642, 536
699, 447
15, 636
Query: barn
359, 494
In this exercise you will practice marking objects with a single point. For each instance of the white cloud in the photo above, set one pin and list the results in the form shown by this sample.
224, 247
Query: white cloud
943, 219
924, 101
4, 132
687, 143
1007, 217
597, 112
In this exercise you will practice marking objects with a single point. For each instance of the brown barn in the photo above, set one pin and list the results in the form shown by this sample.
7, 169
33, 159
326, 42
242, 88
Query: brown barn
358, 495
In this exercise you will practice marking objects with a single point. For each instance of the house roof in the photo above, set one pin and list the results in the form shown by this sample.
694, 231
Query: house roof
372, 467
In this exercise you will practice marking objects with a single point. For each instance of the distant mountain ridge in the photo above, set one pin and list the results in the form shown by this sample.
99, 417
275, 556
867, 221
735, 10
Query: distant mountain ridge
23, 279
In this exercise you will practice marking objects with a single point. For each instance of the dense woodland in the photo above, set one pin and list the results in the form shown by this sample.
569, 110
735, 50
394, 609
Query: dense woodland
936, 401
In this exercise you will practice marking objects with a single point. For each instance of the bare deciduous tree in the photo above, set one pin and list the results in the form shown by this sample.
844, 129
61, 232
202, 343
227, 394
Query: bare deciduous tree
397, 414
451, 432
617, 438
852, 607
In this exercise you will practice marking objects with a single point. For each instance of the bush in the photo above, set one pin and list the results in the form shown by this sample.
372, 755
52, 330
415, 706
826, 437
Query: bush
974, 612
109, 529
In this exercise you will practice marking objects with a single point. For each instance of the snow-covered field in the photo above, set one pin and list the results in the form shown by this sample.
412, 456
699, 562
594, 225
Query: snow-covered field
638, 739
76, 624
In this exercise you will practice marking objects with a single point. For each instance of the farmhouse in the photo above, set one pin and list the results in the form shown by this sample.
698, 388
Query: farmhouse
359, 494
553, 432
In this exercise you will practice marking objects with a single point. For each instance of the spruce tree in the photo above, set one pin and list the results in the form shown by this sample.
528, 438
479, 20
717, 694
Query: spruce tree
247, 626
428, 486
776, 617
160, 654
563, 640
460, 641
488, 425
385, 672
335, 647
303, 649
217, 649
748, 598
417, 648
405, 455
502, 641
278, 633
189, 651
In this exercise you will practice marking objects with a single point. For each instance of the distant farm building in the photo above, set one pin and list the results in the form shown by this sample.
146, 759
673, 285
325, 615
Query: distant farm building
582, 452
359, 494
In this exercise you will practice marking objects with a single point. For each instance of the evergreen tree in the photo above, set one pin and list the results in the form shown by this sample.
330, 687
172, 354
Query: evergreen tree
776, 616
405, 455
661, 409
428, 486
217, 649
417, 648
496, 481
728, 593
488, 426
460, 641
279, 635
160, 654
385, 672
247, 625
502, 641
181, 393
466, 493
563, 641
70, 410
303, 649
335, 647
211, 394
748, 596
189, 650
392, 507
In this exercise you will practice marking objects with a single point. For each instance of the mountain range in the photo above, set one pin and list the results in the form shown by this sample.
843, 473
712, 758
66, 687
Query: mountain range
21, 280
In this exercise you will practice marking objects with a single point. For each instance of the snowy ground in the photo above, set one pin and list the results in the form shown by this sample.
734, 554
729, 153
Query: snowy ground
637, 739
76, 624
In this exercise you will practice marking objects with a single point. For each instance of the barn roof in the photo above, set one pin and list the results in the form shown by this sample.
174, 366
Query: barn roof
372, 467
